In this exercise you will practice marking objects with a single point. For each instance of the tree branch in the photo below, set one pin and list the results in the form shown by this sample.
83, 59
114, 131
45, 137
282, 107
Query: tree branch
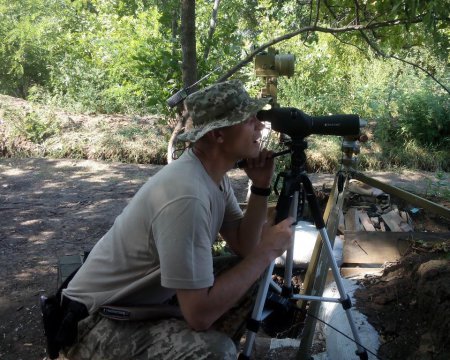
350, 44
331, 30
384, 55
357, 12
317, 13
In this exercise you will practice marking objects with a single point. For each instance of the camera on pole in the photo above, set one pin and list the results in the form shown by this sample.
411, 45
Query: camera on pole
270, 65
291, 121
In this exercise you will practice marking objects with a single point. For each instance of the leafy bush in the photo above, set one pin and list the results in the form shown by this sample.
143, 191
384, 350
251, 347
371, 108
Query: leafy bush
425, 117
32, 125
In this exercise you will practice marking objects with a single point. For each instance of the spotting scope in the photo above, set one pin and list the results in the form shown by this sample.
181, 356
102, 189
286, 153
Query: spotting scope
296, 124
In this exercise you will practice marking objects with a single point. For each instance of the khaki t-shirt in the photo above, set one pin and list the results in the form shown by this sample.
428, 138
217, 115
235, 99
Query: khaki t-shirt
161, 241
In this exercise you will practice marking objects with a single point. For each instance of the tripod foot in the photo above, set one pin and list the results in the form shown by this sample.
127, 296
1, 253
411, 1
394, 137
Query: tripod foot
362, 355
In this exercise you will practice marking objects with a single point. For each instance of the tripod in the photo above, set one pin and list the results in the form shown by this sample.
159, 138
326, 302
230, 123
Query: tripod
287, 205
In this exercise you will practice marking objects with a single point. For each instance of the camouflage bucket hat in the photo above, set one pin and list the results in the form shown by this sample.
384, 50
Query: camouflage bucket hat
217, 106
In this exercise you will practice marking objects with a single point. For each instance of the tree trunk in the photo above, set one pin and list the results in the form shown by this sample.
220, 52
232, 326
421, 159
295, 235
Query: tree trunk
188, 67
212, 27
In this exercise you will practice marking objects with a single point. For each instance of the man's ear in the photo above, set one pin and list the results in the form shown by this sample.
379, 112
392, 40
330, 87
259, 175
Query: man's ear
217, 135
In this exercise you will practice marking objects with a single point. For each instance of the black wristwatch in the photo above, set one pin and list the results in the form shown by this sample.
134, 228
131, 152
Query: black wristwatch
260, 191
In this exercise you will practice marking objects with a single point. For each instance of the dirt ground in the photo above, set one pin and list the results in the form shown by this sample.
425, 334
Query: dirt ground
50, 208
409, 305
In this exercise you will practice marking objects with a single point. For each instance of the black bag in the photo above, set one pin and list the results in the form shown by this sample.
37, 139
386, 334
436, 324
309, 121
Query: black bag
52, 318
60, 317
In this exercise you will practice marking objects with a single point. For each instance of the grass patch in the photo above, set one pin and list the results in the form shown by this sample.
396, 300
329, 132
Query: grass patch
323, 154
30, 131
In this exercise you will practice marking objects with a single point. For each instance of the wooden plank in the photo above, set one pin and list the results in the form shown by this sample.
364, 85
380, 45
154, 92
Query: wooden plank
366, 247
409, 221
365, 221
375, 220
364, 251
404, 216
349, 272
405, 227
352, 220
395, 222
341, 226
371, 247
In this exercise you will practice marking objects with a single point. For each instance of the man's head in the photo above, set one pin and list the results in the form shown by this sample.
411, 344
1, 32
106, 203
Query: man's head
218, 106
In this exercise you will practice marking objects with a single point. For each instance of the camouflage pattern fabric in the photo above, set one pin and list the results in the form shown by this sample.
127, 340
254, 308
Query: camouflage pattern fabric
219, 105
105, 339
100, 338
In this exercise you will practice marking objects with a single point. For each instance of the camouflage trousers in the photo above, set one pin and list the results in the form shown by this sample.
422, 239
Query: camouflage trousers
100, 338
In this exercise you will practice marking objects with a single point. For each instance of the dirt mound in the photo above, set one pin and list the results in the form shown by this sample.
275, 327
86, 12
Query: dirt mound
409, 305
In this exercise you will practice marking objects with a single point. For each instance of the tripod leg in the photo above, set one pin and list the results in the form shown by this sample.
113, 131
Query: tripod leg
320, 225
283, 208
289, 262
344, 298
257, 313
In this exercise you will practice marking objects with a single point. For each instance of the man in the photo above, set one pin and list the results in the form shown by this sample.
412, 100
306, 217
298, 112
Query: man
160, 246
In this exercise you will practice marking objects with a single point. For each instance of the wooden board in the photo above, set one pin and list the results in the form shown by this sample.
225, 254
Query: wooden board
395, 222
352, 220
341, 226
371, 248
349, 272
365, 221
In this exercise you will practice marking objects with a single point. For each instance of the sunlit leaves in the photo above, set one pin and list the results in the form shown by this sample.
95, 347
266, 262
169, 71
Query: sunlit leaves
125, 55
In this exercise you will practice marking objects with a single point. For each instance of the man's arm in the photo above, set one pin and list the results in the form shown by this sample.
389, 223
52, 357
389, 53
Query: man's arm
243, 238
202, 307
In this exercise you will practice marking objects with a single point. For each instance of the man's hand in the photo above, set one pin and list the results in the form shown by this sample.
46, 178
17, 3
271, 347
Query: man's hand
202, 307
276, 239
244, 238
260, 169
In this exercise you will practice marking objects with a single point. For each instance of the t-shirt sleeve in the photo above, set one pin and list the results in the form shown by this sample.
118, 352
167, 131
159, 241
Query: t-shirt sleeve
182, 234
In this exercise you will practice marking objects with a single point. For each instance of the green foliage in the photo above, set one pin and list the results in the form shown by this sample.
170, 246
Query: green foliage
31, 125
37, 130
29, 43
410, 112
425, 117
87, 55
124, 56
416, 131
439, 186
44, 132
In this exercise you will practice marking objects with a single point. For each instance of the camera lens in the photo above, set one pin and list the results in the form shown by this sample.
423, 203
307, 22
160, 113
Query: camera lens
284, 64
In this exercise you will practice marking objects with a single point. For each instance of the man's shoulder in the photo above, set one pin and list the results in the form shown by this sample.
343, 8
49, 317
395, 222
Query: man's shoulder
182, 176
186, 169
